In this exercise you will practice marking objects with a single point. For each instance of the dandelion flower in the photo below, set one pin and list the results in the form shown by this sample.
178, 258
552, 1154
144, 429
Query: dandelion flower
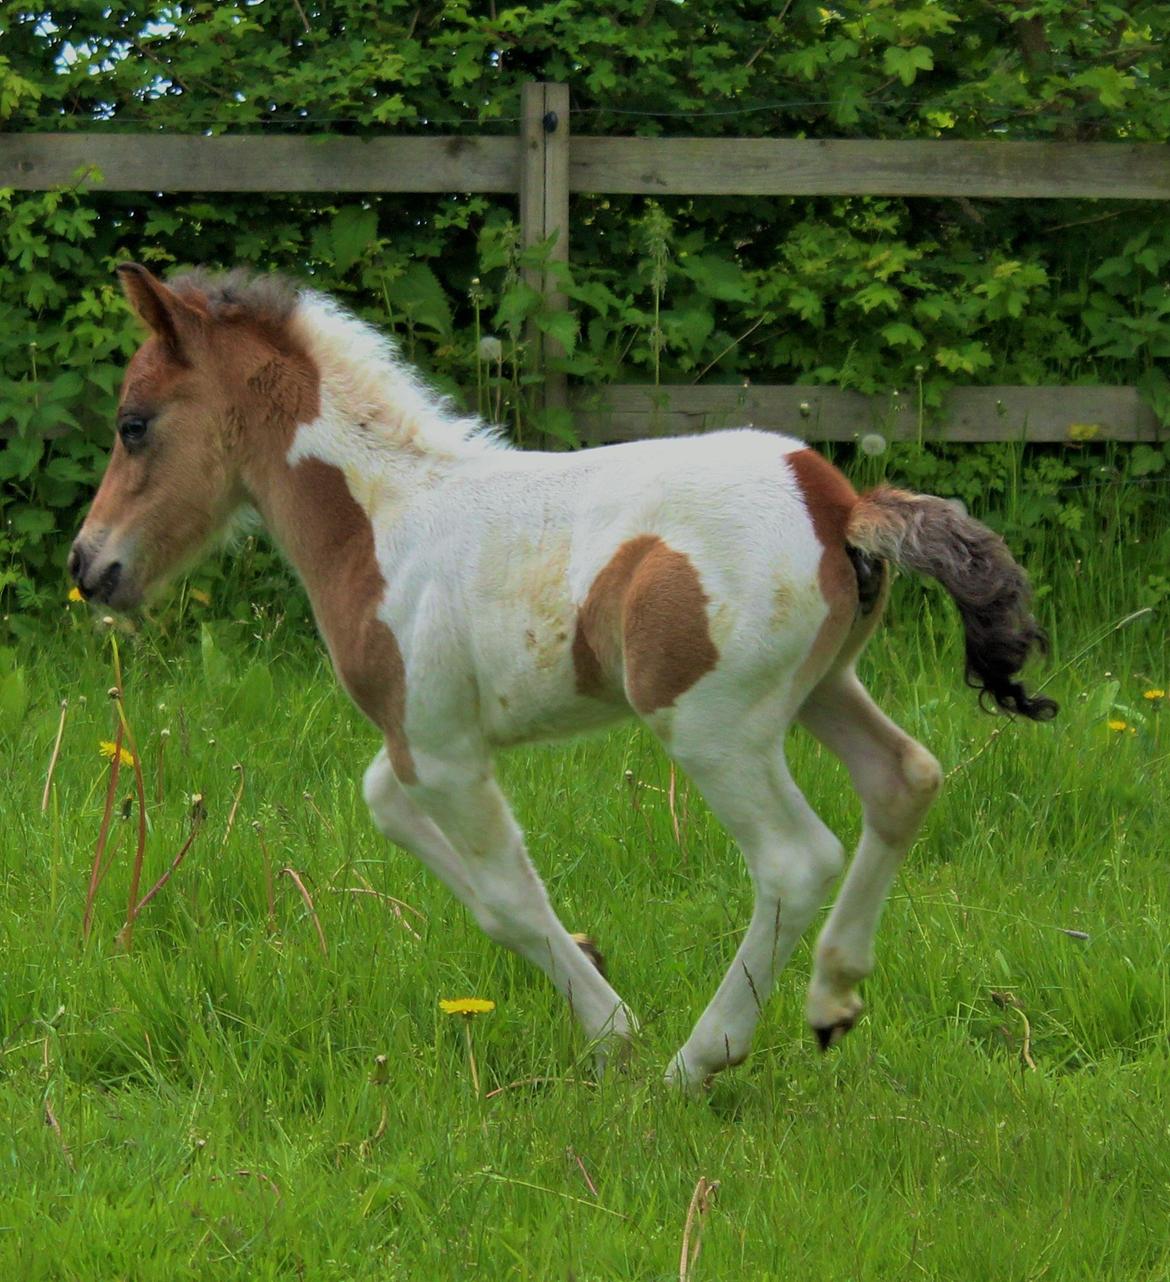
75, 595
466, 1005
107, 749
1154, 694
1116, 725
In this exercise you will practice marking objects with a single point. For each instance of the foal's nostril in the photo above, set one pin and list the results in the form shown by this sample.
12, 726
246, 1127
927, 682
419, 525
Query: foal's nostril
108, 582
77, 564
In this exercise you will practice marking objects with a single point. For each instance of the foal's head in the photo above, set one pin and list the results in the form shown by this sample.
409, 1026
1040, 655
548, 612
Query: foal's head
214, 391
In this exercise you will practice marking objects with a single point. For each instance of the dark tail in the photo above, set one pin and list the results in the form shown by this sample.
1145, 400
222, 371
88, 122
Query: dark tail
931, 537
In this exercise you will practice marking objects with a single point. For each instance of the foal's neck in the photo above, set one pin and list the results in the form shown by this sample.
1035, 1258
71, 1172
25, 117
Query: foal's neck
375, 412
356, 437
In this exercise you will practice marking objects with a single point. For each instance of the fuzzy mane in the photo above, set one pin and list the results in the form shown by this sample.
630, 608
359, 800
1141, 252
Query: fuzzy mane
364, 379
268, 300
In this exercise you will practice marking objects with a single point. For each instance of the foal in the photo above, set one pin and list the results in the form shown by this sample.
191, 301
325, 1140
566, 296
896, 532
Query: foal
473, 596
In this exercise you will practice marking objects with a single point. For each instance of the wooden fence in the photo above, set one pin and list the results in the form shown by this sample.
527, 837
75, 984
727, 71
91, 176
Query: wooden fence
545, 163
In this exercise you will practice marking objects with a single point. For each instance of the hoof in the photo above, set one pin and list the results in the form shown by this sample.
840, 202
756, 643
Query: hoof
590, 949
830, 1035
689, 1084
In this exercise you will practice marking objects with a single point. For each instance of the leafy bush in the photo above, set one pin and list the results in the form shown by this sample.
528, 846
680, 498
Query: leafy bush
869, 294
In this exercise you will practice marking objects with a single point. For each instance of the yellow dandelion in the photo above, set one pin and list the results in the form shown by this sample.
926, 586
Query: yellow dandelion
466, 1005
107, 749
75, 595
1117, 725
1154, 694
197, 594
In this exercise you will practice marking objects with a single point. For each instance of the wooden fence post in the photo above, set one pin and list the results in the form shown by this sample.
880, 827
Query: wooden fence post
544, 209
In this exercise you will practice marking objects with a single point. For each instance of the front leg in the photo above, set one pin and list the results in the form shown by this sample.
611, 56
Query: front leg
397, 817
456, 820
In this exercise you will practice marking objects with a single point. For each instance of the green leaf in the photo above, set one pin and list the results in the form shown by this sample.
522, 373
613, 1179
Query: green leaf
216, 667
557, 423
898, 334
561, 326
1144, 461
907, 63
689, 327
20, 456
877, 294
1102, 700
418, 294
33, 521
718, 278
253, 698
517, 304
64, 386
352, 232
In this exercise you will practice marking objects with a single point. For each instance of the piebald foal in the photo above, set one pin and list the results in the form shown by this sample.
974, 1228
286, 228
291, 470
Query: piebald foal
474, 596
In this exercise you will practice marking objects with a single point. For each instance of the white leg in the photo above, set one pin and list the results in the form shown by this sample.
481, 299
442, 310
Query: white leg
501, 887
792, 858
397, 817
897, 779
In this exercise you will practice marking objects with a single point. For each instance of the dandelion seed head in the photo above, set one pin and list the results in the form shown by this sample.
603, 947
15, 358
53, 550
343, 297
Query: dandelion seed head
490, 349
873, 444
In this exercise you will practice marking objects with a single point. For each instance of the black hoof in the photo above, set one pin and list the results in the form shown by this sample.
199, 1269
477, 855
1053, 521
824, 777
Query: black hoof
590, 949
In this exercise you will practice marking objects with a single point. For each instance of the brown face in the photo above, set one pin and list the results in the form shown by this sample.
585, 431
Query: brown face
172, 482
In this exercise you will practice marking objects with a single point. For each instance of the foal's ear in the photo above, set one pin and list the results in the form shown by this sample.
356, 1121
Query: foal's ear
170, 317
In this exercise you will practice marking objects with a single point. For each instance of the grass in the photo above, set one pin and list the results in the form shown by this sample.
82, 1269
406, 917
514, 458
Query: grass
256, 1092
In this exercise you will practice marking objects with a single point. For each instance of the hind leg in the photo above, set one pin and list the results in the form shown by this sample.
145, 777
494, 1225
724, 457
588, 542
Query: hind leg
897, 779
792, 859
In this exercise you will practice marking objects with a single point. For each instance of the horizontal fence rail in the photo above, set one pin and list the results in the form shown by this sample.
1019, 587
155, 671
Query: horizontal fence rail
802, 167
647, 166
173, 162
631, 411
545, 163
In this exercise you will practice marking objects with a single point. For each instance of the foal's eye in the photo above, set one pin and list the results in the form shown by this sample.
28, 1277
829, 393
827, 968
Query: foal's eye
132, 430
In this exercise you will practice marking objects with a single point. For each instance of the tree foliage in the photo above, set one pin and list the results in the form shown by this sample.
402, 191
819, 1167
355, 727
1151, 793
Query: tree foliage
871, 294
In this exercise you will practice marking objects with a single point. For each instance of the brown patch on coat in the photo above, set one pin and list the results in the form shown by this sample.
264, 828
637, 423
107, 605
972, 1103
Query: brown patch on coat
332, 545
329, 539
643, 625
829, 499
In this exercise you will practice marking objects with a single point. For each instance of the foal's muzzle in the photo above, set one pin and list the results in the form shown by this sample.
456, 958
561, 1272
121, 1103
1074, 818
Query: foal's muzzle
95, 579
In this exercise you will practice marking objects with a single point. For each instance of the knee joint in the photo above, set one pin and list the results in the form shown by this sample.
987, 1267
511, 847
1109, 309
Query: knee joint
504, 919
378, 774
784, 880
920, 773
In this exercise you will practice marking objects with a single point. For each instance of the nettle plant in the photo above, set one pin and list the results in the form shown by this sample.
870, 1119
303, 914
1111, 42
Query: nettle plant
871, 294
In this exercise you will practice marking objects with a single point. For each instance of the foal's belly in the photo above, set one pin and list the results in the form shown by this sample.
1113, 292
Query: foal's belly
528, 687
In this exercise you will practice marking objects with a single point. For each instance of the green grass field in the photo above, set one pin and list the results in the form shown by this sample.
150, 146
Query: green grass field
227, 1101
